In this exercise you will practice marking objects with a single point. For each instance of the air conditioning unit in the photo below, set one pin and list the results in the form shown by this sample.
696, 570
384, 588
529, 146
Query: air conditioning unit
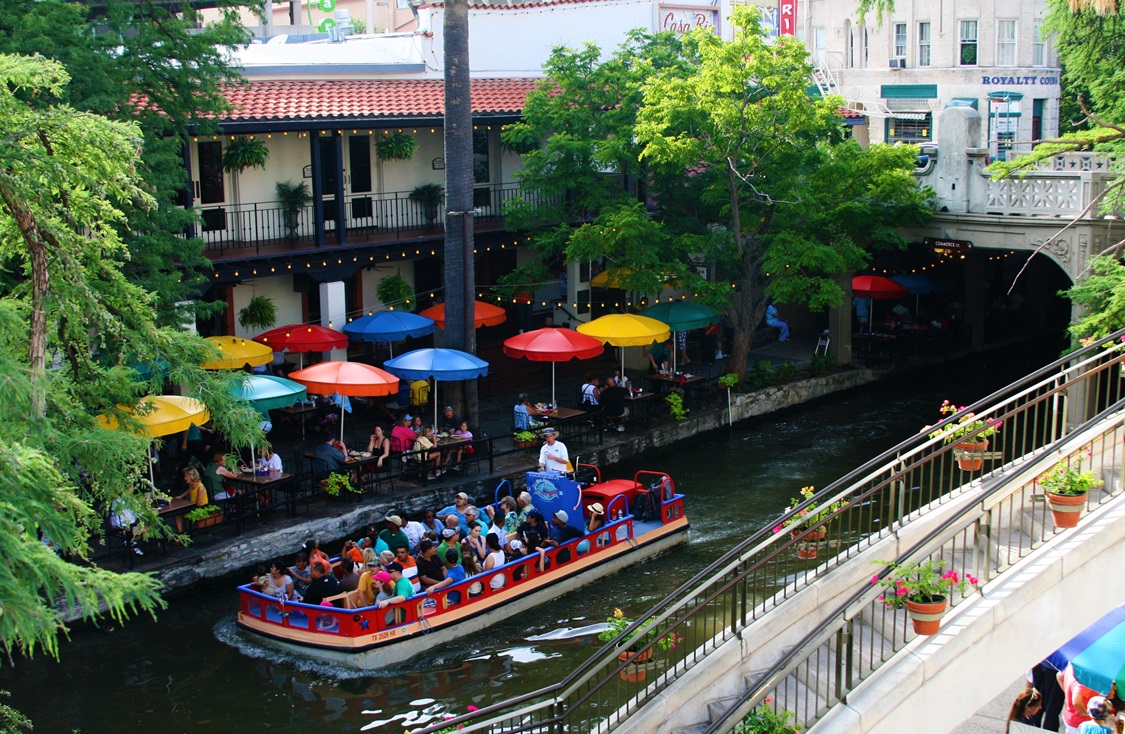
897, 62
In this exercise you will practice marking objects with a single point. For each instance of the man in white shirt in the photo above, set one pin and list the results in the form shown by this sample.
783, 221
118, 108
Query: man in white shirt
553, 456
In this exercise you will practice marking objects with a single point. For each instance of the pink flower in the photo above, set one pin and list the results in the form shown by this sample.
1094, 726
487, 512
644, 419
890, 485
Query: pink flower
769, 699
902, 591
470, 707
875, 579
777, 529
900, 582
972, 579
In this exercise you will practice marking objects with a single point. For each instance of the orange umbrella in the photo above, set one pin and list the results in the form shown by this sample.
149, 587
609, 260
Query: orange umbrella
484, 314
350, 379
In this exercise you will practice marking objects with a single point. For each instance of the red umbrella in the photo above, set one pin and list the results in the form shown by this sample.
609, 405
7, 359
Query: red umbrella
346, 378
303, 338
552, 345
484, 314
875, 286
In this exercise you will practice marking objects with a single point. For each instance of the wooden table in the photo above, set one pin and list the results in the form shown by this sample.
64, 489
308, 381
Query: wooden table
666, 382
301, 413
566, 414
254, 486
640, 406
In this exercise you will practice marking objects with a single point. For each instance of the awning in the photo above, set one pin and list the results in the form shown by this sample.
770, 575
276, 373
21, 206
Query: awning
962, 102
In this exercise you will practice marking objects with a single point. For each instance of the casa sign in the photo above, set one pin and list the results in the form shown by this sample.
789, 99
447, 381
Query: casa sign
684, 18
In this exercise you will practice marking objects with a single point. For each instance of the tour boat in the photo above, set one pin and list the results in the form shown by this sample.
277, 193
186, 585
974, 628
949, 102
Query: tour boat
370, 638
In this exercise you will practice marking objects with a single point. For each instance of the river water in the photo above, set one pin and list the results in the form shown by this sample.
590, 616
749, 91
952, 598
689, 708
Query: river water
193, 671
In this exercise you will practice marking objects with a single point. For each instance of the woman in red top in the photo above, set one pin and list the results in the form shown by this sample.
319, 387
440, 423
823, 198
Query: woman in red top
1074, 705
316, 554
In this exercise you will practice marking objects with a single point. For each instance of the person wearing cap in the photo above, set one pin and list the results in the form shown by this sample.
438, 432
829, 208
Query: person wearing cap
561, 531
450, 539
392, 534
370, 584
1101, 717
460, 504
430, 568
403, 588
448, 422
553, 456
597, 518
535, 523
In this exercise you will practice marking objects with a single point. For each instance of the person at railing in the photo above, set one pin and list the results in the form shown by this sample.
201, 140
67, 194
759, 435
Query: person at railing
561, 531
349, 575
493, 559
533, 542
431, 570
454, 572
300, 572
553, 456
476, 542
424, 452
322, 586
460, 433
370, 583
280, 584
403, 589
409, 567
597, 518
613, 399
379, 446
457, 509
402, 437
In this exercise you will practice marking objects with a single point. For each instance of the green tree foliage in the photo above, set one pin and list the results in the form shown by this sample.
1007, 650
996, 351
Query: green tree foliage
745, 168
68, 331
161, 53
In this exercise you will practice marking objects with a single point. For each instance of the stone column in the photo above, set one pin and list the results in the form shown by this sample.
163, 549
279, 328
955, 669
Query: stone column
333, 313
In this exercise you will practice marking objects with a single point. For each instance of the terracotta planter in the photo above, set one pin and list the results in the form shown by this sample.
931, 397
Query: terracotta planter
1066, 508
209, 521
633, 672
523, 444
970, 464
926, 616
808, 546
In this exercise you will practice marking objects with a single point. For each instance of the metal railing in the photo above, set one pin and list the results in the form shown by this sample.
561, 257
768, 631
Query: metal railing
984, 539
390, 216
745, 584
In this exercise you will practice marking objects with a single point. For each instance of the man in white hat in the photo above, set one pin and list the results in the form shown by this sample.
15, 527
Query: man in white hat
459, 508
553, 456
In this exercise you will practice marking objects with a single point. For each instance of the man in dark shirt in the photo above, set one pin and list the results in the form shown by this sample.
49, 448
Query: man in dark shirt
430, 569
448, 421
322, 586
613, 404
561, 532
332, 453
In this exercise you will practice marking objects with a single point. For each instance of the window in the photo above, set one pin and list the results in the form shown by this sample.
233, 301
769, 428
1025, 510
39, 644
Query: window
1038, 45
900, 40
1005, 43
968, 43
481, 172
211, 187
910, 127
924, 43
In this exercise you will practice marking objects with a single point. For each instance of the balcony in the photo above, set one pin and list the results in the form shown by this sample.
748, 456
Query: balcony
270, 229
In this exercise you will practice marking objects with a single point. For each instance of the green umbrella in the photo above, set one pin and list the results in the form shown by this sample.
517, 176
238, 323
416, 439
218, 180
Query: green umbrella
266, 392
682, 316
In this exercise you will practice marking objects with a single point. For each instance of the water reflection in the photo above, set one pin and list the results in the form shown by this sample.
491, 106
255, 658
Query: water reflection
187, 673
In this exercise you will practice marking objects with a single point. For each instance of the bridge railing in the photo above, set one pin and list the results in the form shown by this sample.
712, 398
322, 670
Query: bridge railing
983, 539
841, 520
1065, 186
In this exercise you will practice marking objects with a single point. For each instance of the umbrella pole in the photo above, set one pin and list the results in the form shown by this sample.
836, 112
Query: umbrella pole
675, 344
341, 419
553, 384
435, 404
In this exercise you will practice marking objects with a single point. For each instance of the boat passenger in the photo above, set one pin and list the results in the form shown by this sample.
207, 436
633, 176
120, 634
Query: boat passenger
312, 548
453, 573
403, 588
535, 523
499, 519
514, 550
432, 521
280, 584
386, 558
533, 541
349, 580
460, 502
260, 581
597, 518
409, 567
495, 558
299, 572
322, 586
414, 531
472, 517
352, 551
370, 583
392, 534
430, 569
469, 560
523, 504
450, 538
476, 543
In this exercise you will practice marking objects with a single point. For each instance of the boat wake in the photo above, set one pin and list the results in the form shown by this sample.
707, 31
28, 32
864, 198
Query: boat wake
568, 633
226, 631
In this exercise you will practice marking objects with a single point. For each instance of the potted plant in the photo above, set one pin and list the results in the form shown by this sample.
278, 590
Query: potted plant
923, 588
240, 154
428, 196
293, 197
395, 292
205, 516
764, 720
1066, 487
675, 402
618, 623
336, 483
396, 147
260, 312
969, 434
801, 525
524, 439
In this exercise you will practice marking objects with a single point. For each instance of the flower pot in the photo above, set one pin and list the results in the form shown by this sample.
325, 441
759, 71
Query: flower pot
808, 545
926, 616
523, 444
1066, 508
633, 672
209, 521
972, 447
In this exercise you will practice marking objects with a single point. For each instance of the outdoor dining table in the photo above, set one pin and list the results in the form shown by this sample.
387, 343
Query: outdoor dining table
566, 414
254, 486
299, 412
641, 406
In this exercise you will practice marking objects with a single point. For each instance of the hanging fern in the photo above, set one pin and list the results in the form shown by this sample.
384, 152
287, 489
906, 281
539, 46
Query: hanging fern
396, 147
396, 292
259, 313
242, 153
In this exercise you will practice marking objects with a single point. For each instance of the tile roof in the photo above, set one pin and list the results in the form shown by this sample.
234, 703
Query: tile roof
367, 98
846, 112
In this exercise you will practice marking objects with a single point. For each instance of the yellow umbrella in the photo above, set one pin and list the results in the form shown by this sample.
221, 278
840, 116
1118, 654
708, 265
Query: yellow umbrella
237, 353
626, 330
615, 278
164, 415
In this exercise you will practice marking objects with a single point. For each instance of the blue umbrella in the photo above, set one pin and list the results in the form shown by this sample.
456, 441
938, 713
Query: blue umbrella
919, 284
1096, 653
389, 326
440, 364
